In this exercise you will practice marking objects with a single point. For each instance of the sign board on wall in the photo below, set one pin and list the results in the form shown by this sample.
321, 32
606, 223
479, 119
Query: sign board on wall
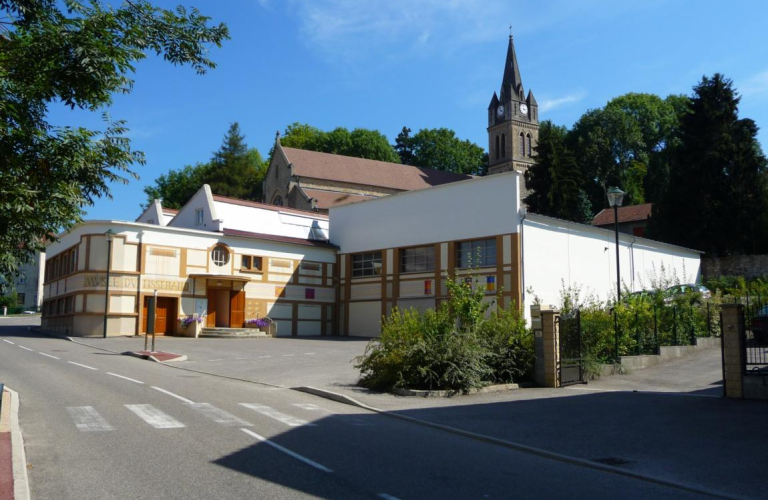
201, 307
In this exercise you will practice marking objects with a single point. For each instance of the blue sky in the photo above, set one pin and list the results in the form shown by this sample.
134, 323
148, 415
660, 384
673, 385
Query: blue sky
424, 64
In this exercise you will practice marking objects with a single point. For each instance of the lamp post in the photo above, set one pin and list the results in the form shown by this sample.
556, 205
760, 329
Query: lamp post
615, 197
109, 235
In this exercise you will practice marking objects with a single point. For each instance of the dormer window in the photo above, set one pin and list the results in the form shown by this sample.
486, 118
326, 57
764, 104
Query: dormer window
199, 217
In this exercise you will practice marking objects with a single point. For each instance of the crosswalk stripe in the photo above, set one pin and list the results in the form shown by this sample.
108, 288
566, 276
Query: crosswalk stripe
280, 417
87, 419
218, 415
155, 417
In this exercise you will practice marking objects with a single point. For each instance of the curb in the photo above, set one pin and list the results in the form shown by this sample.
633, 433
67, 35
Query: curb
155, 356
18, 456
490, 389
341, 398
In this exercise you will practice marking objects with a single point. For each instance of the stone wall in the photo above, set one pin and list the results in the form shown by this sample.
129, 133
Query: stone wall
749, 266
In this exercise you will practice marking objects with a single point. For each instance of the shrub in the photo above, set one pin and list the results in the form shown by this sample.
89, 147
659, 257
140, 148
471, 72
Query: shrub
452, 347
509, 344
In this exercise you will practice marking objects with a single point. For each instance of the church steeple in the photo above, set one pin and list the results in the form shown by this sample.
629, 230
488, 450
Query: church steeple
511, 84
513, 122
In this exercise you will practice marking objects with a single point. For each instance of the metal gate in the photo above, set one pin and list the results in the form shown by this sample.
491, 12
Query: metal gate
570, 369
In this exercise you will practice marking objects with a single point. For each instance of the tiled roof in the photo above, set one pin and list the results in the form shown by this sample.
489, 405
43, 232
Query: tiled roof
170, 211
626, 214
366, 172
281, 239
328, 199
256, 204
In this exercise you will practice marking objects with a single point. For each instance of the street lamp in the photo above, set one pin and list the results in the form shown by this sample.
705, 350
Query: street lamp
109, 235
615, 197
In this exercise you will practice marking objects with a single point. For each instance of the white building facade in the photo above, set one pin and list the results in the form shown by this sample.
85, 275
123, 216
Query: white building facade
208, 261
519, 258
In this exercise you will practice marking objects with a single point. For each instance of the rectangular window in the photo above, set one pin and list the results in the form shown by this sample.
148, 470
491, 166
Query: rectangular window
366, 264
476, 253
199, 217
22, 279
73, 267
250, 263
310, 266
21, 298
417, 260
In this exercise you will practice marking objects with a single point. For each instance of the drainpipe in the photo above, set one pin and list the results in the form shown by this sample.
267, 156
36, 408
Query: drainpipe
523, 215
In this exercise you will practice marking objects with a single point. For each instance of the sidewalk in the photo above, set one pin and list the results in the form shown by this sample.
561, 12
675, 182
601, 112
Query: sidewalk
13, 466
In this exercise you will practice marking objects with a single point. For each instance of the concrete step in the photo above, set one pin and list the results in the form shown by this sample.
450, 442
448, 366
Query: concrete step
235, 333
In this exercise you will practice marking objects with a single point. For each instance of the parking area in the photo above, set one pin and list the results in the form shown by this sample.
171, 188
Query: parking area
286, 362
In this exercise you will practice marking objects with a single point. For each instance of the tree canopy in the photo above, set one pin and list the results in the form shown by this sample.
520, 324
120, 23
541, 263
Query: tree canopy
440, 149
555, 180
234, 170
76, 54
717, 198
360, 142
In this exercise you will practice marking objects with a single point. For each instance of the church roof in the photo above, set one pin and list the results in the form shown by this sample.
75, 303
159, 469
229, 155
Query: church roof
366, 172
328, 199
512, 78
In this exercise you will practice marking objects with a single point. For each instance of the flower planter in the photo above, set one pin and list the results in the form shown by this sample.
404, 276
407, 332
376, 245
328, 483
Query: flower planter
192, 330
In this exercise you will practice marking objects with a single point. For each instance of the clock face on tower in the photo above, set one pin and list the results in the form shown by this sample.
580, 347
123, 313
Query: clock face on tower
500, 111
524, 109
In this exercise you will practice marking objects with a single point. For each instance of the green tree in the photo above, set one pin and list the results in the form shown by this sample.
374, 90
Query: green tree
626, 144
177, 186
555, 181
77, 54
717, 198
360, 143
234, 170
404, 146
440, 149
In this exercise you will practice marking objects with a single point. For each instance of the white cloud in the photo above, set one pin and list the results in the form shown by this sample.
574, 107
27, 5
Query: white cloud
755, 86
550, 104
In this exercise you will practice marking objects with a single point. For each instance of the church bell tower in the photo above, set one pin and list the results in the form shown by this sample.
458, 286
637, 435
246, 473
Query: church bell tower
513, 122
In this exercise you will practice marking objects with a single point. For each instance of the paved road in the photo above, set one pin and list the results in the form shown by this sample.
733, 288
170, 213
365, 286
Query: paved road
105, 426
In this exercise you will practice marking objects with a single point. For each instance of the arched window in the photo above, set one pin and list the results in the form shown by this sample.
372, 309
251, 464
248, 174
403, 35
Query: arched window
278, 200
522, 144
530, 151
497, 147
503, 145
220, 255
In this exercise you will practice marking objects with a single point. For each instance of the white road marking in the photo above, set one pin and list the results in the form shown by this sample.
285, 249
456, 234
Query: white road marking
218, 415
155, 417
387, 497
217, 359
188, 401
87, 419
310, 407
49, 355
125, 378
287, 451
287, 355
280, 417
309, 353
26, 348
4, 340
84, 366
262, 357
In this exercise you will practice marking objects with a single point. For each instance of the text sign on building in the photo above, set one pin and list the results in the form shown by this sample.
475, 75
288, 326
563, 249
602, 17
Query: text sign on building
166, 284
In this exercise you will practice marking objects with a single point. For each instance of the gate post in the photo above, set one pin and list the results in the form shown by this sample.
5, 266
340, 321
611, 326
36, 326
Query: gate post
546, 341
733, 350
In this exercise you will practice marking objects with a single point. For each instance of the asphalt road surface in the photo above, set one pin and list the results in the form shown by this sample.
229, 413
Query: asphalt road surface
104, 426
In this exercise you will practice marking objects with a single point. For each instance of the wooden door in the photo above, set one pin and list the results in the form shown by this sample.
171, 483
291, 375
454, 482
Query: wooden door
211, 318
165, 315
237, 309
